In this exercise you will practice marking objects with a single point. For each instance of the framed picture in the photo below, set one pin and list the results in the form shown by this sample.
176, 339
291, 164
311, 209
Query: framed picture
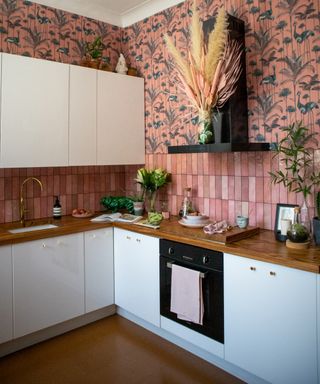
284, 211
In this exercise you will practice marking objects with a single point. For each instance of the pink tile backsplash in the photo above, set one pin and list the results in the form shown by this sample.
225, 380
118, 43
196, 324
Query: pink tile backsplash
222, 195
76, 187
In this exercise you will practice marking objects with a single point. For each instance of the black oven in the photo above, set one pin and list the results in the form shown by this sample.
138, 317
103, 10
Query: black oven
210, 264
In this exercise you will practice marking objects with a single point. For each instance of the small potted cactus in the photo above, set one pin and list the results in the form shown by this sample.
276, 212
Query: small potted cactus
316, 220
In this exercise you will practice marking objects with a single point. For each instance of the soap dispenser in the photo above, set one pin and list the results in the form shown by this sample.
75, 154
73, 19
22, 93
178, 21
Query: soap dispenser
57, 210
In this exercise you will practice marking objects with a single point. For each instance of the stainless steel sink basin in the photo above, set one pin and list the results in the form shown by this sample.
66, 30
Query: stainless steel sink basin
32, 228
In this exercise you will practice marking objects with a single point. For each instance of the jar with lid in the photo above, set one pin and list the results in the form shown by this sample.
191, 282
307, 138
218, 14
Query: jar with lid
298, 233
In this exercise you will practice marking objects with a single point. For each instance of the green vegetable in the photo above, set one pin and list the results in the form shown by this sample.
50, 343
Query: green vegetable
154, 218
115, 203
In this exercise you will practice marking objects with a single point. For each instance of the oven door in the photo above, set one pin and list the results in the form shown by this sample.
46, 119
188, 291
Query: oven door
212, 288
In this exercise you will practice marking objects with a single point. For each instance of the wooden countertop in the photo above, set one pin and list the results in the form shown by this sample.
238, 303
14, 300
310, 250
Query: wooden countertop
261, 247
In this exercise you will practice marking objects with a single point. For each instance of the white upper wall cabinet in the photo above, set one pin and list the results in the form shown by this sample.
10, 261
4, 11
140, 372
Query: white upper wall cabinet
34, 112
120, 120
82, 116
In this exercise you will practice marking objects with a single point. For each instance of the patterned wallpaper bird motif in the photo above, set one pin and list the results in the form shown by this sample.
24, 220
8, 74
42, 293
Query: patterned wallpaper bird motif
43, 32
283, 67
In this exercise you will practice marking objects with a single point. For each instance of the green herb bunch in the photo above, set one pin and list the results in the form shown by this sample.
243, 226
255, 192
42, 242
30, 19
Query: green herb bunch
295, 151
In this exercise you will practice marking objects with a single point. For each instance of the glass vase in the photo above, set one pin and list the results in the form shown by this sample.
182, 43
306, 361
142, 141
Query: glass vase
150, 201
205, 128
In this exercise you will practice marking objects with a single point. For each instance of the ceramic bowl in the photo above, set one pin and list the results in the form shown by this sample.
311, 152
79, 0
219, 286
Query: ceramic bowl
196, 219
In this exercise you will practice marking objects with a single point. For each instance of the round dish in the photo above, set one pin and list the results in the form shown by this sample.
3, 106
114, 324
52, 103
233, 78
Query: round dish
196, 219
83, 215
184, 223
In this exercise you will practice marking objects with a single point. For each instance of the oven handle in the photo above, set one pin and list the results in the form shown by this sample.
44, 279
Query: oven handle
202, 274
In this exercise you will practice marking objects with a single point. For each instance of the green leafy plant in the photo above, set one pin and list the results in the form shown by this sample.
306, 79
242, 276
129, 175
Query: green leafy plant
95, 48
152, 180
115, 203
295, 151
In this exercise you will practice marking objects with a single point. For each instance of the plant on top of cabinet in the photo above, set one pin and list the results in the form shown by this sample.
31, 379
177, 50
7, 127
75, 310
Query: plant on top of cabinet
94, 53
295, 151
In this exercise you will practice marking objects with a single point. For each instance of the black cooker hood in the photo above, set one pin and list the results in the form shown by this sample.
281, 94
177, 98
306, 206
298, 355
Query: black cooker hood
220, 147
231, 122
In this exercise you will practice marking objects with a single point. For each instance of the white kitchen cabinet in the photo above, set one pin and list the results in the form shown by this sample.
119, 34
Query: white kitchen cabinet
270, 320
136, 261
48, 282
6, 331
99, 287
120, 119
82, 116
34, 112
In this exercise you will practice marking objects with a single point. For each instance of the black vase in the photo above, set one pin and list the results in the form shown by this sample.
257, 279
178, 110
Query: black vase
316, 230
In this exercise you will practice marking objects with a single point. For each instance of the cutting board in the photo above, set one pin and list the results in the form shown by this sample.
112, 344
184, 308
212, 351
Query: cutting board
235, 234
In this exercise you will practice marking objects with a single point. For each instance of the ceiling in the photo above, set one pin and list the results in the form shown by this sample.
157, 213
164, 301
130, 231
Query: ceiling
116, 12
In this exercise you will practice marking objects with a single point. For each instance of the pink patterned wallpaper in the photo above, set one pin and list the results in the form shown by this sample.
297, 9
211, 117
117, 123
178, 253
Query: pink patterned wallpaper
283, 66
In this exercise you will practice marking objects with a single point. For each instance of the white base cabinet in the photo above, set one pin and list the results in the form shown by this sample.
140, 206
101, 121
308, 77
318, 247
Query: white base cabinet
6, 329
136, 263
48, 282
270, 320
99, 287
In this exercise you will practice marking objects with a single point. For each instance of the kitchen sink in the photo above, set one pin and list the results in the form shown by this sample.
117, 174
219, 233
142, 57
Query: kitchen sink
32, 228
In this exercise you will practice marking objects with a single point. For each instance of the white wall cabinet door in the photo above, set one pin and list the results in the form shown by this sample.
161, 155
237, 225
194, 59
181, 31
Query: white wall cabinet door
82, 116
136, 259
99, 287
270, 320
6, 331
34, 112
48, 282
120, 109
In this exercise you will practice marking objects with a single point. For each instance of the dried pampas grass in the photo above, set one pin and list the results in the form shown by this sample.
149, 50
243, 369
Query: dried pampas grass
209, 77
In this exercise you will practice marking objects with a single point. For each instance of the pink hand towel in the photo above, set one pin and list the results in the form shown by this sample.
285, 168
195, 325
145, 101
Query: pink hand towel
186, 294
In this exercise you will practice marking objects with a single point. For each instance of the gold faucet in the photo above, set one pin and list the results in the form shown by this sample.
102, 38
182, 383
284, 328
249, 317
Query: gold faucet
21, 206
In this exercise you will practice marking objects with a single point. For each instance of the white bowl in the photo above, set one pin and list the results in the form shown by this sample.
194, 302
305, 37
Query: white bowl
196, 219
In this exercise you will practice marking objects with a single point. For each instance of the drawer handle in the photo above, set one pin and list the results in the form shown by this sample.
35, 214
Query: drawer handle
93, 236
272, 273
138, 240
253, 268
128, 237
44, 245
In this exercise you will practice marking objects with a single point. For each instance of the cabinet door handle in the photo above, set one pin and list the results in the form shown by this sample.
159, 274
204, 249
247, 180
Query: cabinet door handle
138, 240
44, 245
93, 236
272, 273
128, 237
253, 268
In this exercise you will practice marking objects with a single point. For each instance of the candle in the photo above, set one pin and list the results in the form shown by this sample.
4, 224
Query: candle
285, 226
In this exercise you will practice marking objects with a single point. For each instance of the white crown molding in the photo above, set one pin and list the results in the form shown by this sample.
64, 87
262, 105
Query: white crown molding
97, 11
146, 9
93, 11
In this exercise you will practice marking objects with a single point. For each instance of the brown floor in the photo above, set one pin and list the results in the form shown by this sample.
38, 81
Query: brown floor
113, 351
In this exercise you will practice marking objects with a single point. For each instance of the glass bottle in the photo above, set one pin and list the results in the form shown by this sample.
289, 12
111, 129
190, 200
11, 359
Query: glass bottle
305, 217
186, 207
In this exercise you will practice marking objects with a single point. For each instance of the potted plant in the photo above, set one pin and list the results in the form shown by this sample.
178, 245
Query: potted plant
295, 152
138, 204
151, 181
316, 220
94, 53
